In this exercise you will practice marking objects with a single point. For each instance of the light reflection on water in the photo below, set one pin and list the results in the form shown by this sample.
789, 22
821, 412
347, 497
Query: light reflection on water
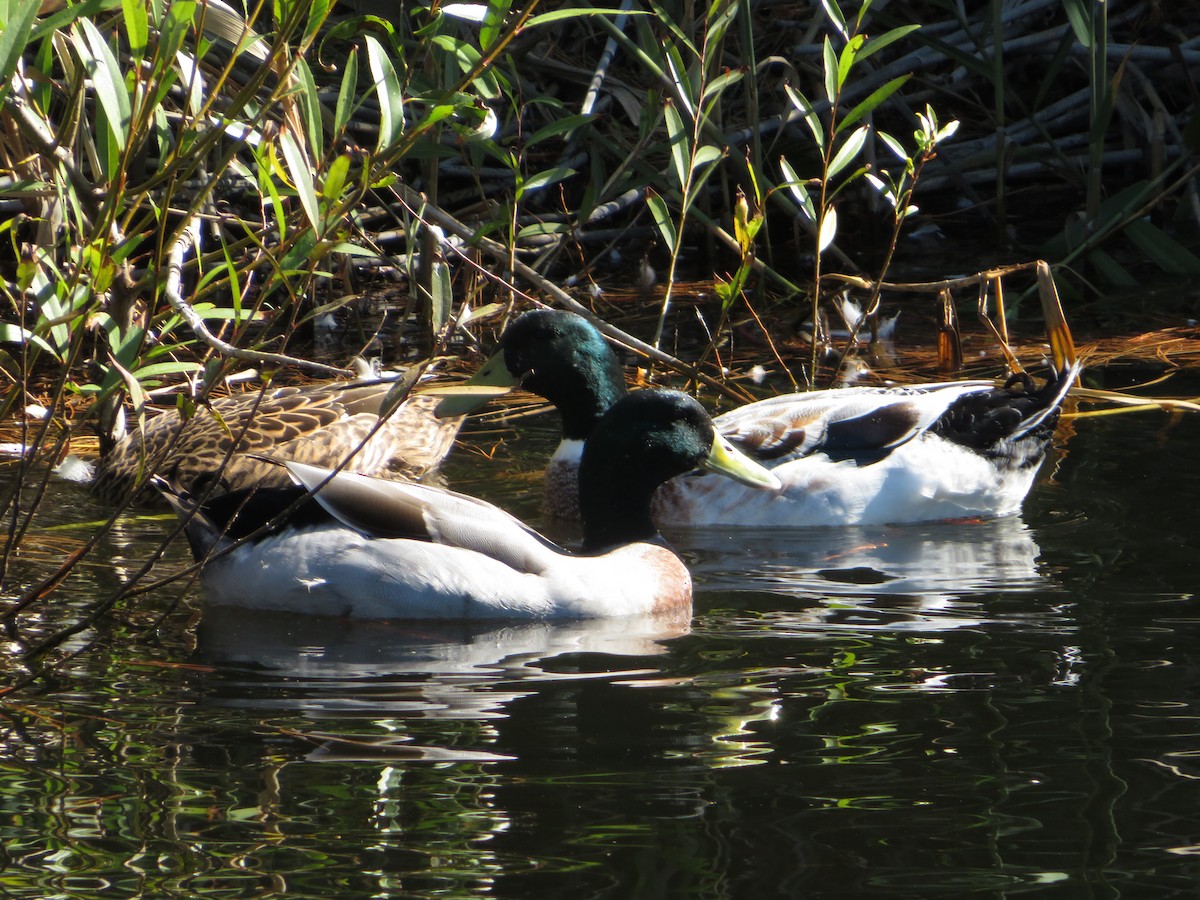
935, 710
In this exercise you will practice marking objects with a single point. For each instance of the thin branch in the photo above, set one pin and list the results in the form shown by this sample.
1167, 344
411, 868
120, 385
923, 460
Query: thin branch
189, 238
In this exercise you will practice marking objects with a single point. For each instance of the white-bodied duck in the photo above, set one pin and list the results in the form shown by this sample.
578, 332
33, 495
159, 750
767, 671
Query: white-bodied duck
369, 548
847, 456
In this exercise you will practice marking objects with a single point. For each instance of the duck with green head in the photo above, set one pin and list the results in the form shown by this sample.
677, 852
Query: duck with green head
369, 548
847, 456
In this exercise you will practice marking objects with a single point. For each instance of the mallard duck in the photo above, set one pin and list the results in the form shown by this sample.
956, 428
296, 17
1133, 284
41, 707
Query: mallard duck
369, 548
847, 456
319, 424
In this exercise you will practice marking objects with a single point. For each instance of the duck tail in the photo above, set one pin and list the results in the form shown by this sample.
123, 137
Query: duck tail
1052, 395
204, 536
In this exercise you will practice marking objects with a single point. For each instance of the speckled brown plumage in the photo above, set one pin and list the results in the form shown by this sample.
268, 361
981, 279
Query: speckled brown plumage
317, 425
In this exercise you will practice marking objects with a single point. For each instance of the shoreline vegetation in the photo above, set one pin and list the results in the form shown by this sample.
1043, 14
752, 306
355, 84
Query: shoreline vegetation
194, 194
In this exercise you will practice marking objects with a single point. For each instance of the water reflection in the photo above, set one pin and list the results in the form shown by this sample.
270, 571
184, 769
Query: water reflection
451, 670
939, 560
924, 577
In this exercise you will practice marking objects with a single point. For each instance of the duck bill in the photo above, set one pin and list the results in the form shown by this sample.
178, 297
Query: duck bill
731, 462
491, 381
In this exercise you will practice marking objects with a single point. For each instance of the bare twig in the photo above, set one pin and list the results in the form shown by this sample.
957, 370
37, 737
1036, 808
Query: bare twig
189, 237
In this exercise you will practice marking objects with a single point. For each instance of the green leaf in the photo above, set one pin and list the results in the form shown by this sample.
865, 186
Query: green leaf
540, 229
894, 145
1166, 252
831, 71
544, 179
335, 179
706, 155
15, 334
877, 96
679, 142
299, 169
441, 300
497, 11
811, 119
662, 218
318, 12
14, 36
107, 79
559, 15
685, 91
1079, 15
828, 230
835, 16
137, 27
1111, 270
563, 126
875, 44
157, 370
387, 87
846, 59
795, 186
347, 100
467, 58
718, 85
310, 108
849, 150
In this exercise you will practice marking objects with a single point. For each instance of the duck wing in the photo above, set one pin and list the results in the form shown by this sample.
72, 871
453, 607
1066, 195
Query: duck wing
392, 509
864, 424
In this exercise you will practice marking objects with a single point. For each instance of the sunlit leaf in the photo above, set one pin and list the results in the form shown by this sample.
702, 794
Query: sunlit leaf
868, 105
684, 92
335, 179
15, 334
310, 107
544, 179
193, 81
846, 59
387, 87
541, 229
875, 44
137, 27
795, 186
946, 131
894, 145
811, 119
831, 71
347, 100
828, 229
662, 218
13, 38
718, 85
834, 12
318, 12
559, 15
469, 12
441, 296
848, 151
706, 155
679, 142
107, 79
301, 175
497, 11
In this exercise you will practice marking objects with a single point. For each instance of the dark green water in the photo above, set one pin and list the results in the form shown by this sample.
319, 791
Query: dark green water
981, 710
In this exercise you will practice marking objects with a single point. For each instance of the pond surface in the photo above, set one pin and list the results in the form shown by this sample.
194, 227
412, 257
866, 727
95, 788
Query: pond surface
988, 709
